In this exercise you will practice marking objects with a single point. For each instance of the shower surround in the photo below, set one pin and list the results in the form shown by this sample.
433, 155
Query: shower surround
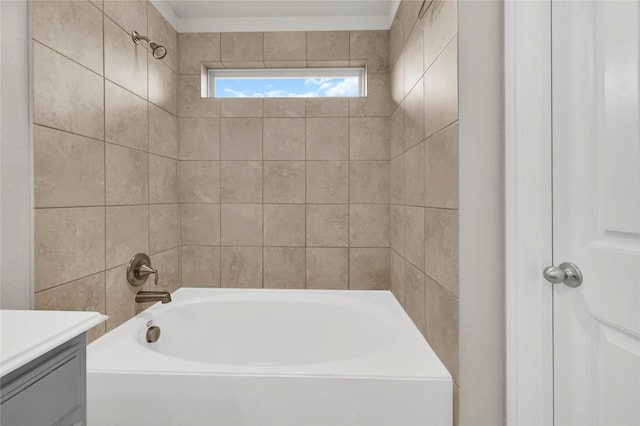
332, 193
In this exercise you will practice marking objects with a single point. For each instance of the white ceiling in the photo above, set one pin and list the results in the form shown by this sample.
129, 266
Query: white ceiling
277, 15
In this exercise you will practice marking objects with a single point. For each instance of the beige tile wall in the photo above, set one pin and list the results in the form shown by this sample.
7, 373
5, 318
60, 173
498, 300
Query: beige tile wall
275, 193
284, 193
423, 57
105, 154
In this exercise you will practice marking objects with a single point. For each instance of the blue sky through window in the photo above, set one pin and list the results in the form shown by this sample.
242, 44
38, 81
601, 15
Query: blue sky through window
286, 87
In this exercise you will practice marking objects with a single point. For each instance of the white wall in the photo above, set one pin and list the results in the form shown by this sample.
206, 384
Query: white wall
482, 282
16, 282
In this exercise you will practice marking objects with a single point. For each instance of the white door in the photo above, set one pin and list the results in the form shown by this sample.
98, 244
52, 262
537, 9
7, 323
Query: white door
596, 211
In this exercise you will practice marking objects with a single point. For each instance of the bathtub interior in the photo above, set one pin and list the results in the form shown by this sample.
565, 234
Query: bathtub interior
286, 332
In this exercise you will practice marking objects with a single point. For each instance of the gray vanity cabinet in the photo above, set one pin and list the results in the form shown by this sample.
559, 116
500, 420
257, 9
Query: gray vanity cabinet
48, 391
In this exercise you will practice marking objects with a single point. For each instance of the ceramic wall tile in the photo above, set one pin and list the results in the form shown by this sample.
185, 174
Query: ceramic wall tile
442, 320
327, 107
285, 46
127, 176
369, 269
441, 90
80, 38
84, 294
369, 138
191, 103
328, 268
164, 34
440, 25
199, 138
369, 225
414, 116
397, 272
163, 86
414, 287
128, 14
163, 180
127, 232
328, 45
378, 102
66, 95
397, 180
164, 231
284, 225
126, 118
68, 244
414, 175
284, 181
241, 139
163, 132
414, 246
284, 138
241, 182
125, 63
327, 225
68, 169
369, 182
241, 267
241, 224
200, 224
241, 107
284, 107
327, 138
200, 266
412, 57
441, 237
196, 49
327, 182
242, 47
199, 181
373, 46
284, 267
441, 169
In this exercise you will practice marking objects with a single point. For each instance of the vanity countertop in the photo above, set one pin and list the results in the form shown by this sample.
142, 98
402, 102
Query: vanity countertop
25, 335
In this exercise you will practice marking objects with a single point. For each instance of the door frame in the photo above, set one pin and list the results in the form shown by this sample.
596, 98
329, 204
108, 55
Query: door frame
528, 215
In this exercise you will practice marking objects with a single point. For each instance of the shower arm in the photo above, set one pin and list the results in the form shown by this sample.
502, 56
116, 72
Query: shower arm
136, 37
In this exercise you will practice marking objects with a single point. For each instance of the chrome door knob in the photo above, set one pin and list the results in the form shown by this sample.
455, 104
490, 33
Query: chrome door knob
567, 273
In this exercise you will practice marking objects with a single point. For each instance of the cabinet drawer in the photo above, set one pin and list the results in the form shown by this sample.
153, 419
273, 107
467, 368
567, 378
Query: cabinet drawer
50, 393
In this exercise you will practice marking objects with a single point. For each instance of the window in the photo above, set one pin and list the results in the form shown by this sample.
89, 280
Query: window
287, 83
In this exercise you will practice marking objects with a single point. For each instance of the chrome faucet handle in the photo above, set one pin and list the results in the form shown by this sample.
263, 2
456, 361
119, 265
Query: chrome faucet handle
145, 270
139, 269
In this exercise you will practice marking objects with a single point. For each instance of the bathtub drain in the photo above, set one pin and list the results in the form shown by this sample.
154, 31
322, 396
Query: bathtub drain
153, 334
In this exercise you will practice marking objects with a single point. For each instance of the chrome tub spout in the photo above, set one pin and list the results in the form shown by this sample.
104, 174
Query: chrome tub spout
153, 296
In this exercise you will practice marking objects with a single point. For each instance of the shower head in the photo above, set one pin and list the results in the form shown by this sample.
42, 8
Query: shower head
158, 50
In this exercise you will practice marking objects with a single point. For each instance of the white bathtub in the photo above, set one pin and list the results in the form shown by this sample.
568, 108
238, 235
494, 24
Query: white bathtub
268, 357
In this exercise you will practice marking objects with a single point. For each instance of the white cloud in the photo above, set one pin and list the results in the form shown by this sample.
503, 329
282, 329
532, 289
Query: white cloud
235, 93
270, 94
346, 87
315, 81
